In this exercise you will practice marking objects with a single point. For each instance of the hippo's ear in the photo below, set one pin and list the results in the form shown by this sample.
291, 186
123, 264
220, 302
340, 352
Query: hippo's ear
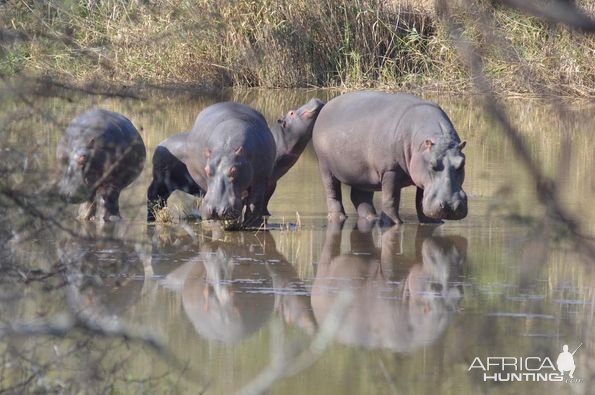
208, 153
462, 145
428, 144
282, 123
91, 144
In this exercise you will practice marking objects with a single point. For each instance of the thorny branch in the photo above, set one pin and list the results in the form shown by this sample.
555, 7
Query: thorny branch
546, 189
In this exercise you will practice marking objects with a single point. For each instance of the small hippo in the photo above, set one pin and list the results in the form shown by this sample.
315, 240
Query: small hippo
173, 156
100, 154
379, 141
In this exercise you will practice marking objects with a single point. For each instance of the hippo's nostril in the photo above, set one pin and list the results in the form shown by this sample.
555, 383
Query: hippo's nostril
456, 206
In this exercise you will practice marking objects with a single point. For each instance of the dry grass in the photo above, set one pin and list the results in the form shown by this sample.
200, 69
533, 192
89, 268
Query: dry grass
291, 43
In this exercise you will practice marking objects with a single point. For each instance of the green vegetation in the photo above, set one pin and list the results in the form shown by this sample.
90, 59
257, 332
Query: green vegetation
290, 43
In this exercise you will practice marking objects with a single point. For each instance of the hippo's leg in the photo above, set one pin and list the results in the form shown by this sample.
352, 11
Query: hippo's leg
87, 210
419, 196
332, 186
256, 206
364, 203
391, 197
192, 188
157, 195
108, 207
269, 195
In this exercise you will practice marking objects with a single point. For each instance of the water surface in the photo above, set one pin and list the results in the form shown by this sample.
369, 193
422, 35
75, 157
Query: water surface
425, 300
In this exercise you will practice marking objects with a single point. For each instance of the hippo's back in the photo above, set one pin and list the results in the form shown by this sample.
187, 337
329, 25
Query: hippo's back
221, 129
219, 113
357, 135
111, 127
225, 126
114, 141
361, 115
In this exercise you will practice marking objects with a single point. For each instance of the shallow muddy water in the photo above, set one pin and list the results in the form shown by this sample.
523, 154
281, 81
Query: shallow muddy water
418, 309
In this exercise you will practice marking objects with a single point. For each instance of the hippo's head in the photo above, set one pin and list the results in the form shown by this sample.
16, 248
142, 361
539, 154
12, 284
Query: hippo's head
293, 133
229, 177
438, 167
76, 163
297, 124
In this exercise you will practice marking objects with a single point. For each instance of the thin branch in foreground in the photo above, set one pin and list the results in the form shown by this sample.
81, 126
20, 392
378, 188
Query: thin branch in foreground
286, 365
556, 11
545, 188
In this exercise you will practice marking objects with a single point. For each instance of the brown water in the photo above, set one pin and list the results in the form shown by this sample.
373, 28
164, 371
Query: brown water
422, 301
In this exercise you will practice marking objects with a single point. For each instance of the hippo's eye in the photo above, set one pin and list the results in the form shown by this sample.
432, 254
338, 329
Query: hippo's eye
435, 165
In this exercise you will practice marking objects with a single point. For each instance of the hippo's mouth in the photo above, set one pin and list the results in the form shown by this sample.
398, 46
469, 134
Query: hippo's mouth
448, 212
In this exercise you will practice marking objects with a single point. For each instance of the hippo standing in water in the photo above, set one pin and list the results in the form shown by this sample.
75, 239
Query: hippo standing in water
174, 157
100, 154
379, 141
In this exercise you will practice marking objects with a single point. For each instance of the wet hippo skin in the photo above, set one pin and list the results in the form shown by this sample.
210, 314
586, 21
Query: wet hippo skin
180, 162
376, 141
100, 154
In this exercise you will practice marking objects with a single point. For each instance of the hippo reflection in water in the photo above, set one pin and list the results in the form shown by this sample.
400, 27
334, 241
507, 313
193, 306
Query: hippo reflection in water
103, 269
400, 317
231, 289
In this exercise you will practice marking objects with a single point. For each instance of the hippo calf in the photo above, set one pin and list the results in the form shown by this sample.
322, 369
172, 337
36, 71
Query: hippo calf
174, 156
100, 154
375, 141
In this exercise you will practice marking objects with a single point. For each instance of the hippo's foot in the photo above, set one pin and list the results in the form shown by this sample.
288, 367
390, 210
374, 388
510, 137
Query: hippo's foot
427, 220
232, 225
255, 222
87, 211
388, 220
337, 217
365, 224
369, 217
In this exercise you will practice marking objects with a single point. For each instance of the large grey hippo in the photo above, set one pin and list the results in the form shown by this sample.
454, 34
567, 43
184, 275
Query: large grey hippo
179, 161
100, 154
379, 141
